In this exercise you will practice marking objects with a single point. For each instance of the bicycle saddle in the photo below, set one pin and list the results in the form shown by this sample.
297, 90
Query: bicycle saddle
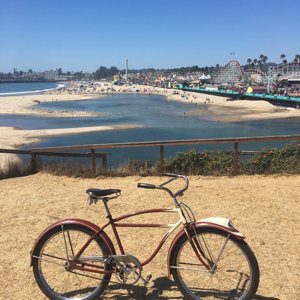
101, 193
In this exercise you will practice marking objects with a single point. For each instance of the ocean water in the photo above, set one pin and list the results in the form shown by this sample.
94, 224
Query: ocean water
161, 120
7, 89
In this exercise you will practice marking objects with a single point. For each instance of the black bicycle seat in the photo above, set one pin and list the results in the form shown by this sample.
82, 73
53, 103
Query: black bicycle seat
102, 193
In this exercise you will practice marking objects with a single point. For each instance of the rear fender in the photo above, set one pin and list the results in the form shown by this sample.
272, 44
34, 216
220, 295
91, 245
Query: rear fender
221, 224
89, 225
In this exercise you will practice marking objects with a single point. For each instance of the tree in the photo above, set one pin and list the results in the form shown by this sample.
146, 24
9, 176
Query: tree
255, 61
297, 58
249, 61
79, 75
30, 71
262, 60
113, 71
282, 57
103, 72
261, 57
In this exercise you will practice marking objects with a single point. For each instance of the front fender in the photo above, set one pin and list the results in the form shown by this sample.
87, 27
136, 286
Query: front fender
93, 227
222, 224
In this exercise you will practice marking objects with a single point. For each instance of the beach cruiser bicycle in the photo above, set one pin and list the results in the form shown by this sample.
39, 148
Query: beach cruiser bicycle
208, 259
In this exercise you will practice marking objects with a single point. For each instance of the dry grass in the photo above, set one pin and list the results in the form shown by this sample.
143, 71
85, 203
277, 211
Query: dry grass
265, 208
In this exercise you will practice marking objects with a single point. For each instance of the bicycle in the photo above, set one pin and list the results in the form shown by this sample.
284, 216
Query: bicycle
208, 259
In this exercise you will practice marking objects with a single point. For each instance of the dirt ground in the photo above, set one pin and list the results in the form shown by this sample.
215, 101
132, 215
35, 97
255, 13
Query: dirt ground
265, 208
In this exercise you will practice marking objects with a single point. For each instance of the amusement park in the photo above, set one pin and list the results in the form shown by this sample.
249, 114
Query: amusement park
278, 84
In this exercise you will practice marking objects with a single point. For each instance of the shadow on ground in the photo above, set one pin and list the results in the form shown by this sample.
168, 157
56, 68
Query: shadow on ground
155, 292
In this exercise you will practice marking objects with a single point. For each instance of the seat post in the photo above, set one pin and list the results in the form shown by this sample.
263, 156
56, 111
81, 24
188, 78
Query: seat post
106, 207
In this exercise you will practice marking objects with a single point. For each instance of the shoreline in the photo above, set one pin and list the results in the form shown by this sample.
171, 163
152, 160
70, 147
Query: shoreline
223, 110
12, 137
213, 108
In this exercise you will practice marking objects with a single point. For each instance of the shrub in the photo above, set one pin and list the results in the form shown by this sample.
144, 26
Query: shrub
201, 163
274, 161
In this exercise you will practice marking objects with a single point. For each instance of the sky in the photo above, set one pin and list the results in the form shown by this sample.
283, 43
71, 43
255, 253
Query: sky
84, 35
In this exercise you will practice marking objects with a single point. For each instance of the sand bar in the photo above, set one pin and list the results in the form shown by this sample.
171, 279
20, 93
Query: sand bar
12, 137
25, 105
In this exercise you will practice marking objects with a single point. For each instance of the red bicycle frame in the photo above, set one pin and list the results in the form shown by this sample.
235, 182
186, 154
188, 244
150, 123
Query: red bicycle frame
115, 223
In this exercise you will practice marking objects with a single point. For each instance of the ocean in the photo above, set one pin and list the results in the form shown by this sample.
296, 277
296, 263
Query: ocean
7, 89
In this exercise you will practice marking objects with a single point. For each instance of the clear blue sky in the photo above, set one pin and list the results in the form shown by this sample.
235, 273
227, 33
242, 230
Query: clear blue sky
83, 35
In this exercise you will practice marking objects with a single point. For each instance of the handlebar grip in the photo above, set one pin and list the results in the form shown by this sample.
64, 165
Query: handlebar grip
146, 186
170, 175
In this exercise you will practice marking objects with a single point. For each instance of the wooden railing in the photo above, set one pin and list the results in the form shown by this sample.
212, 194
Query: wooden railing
162, 144
34, 154
60, 151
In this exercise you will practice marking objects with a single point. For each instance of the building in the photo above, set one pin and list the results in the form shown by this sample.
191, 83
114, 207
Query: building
51, 75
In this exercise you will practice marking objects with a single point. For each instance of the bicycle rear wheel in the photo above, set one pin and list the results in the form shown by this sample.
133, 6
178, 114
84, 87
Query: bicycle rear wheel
236, 274
51, 269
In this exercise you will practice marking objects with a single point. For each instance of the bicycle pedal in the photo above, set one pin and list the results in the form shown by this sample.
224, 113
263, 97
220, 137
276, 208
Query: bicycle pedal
147, 279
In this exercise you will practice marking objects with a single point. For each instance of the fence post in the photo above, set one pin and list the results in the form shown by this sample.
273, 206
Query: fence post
93, 158
104, 162
161, 157
33, 163
235, 158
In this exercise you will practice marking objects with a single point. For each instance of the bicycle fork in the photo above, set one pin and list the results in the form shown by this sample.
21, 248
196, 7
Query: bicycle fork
203, 252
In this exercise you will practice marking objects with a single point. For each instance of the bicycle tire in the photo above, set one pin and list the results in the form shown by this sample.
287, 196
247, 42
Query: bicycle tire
236, 276
55, 281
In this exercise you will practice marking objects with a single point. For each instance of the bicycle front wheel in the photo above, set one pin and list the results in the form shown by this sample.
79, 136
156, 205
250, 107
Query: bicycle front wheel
52, 258
233, 270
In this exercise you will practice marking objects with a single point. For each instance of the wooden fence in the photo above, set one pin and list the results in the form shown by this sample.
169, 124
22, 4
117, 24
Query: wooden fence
60, 151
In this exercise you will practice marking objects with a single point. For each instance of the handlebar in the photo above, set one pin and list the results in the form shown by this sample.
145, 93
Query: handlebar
146, 186
162, 186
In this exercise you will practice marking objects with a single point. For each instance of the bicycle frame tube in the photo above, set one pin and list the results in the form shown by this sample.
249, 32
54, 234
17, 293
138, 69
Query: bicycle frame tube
172, 227
115, 223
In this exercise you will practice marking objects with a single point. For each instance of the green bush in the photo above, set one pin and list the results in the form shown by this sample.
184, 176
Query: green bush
275, 161
268, 161
201, 163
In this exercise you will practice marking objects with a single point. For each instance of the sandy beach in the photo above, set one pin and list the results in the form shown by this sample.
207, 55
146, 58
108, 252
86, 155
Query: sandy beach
264, 208
218, 108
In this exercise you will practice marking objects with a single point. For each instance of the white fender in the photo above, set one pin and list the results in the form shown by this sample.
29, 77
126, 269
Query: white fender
223, 222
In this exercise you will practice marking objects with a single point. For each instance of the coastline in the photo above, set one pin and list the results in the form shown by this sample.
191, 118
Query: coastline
219, 109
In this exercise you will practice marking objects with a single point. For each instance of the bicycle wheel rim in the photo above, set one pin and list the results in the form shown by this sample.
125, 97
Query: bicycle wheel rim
56, 281
232, 278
